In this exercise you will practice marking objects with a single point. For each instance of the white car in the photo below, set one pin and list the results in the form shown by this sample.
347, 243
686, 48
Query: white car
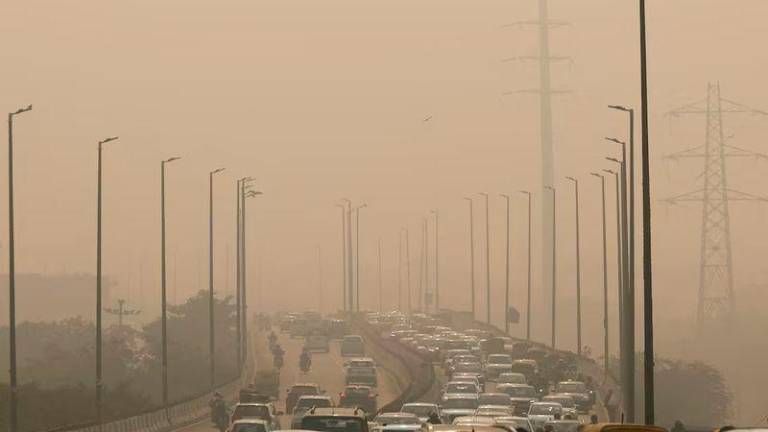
250, 425
512, 378
422, 410
542, 412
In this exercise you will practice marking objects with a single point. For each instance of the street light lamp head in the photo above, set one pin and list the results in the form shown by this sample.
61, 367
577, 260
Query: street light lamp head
217, 170
612, 159
252, 194
524, 192
620, 108
596, 174
468, 199
504, 195
617, 141
485, 194
22, 110
571, 179
552, 188
169, 160
609, 171
106, 140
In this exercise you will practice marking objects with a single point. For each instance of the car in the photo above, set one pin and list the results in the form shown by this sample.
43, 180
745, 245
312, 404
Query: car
474, 369
352, 346
494, 410
497, 364
249, 425
520, 396
361, 375
542, 412
360, 362
527, 367
568, 403
563, 425
335, 420
396, 418
511, 378
261, 411
298, 390
304, 404
473, 420
422, 409
454, 387
299, 327
359, 396
584, 397
458, 405
495, 399
337, 329
317, 342
517, 422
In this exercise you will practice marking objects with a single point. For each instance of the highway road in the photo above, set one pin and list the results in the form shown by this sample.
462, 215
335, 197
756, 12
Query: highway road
327, 371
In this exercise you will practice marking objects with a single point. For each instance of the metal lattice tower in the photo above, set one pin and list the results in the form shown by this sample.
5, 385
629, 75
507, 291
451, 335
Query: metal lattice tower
716, 294
545, 92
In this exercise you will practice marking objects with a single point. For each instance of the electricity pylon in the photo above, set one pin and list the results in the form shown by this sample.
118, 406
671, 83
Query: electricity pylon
716, 297
121, 311
545, 92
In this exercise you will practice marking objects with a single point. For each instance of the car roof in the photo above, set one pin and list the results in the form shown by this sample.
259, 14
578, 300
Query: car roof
397, 414
250, 421
314, 397
336, 412
360, 359
253, 404
460, 396
429, 404
493, 394
305, 385
464, 428
512, 385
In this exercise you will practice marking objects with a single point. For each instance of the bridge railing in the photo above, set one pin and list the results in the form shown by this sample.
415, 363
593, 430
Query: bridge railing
173, 416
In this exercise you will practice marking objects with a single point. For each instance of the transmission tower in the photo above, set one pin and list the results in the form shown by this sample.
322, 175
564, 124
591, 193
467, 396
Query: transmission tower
715, 298
545, 92
121, 311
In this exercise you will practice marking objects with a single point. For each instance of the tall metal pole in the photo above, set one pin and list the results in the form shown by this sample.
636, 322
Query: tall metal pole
380, 284
437, 259
343, 257
554, 266
350, 276
420, 295
578, 266
211, 332
487, 261
400, 271
239, 276
99, 369
357, 256
528, 301
506, 272
246, 195
163, 294
606, 350
13, 399
426, 262
472, 254
650, 410
408, 270
619, 265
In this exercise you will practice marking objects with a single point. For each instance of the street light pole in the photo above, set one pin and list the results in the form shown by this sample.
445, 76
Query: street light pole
606, 351
506, 272
472, 253
343, 257
163, 297
400, 271
426, 263
578, 266
554, 265
380, 284
357, 256
619, 264
437, 259
239, 273
99, 368
211, 333
408, 269
487, 261
650, 407
528, 301
13, 400
350, 285
246, 194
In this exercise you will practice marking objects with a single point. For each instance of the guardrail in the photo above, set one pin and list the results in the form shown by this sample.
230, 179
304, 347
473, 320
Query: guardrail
174, 416
420, 373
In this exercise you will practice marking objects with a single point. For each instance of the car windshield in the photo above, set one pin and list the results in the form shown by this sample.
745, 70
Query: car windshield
313, 402
333, 424
468, 367
566, 402
255, 427
361, 363
499, 359
305, 390
357, 391
419, 410
546, 409
253, 411
460, 403
572, 387
461, 388
494, 399
520, 391
392, 419
512, 378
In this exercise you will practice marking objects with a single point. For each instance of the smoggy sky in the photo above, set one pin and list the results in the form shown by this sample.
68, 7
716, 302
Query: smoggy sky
320, 100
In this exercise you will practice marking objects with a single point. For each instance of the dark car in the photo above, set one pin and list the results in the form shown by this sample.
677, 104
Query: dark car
359, 396
352, 346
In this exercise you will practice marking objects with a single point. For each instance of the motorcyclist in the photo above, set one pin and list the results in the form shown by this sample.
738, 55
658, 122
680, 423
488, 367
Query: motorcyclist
305, 359
218, 407
278, 353
272, 339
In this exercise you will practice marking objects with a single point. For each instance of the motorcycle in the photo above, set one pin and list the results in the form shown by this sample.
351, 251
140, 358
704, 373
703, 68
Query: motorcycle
277, 361
304, 364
